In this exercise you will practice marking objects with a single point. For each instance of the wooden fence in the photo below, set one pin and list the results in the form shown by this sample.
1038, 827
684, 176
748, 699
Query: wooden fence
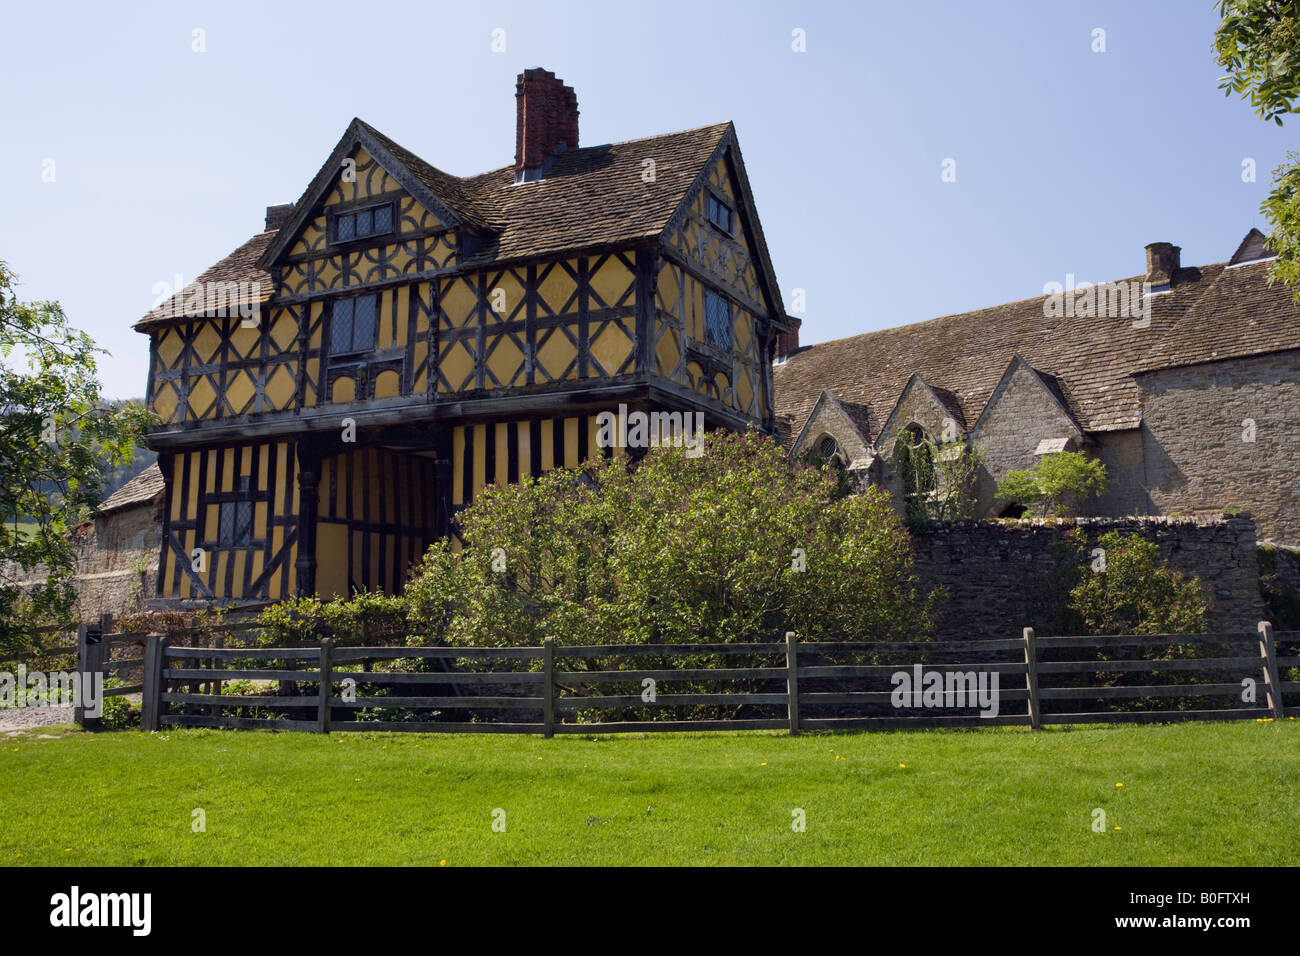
788, 685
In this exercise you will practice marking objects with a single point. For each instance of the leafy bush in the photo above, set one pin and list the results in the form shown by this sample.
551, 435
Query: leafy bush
1058, 484
369, 616
117, 714
736, 543
1138, 593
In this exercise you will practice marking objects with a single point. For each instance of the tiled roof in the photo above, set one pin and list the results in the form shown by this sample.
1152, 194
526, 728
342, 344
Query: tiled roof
593, 196
1211, 312
239, 266
142, 488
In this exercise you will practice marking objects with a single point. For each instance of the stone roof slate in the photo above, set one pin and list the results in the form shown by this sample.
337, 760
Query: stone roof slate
144, 487
594, 196
1211, 312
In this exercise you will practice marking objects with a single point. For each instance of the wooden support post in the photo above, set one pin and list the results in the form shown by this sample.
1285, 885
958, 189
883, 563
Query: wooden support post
323, 709
1273, 685
792, 679
548, 687
309, 458
151, 697
1031, 677
90, 661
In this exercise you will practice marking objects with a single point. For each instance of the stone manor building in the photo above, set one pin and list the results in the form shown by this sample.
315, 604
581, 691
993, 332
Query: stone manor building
1184, 381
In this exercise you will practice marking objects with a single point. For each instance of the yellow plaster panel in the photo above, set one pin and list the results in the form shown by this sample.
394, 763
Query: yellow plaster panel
345, 390
279, 388
459, 302
207, 342
557, 289
555, 353
202, 395
458, 366
611, 348
506, 362
169, 348
387, 384
239, 392
612, 281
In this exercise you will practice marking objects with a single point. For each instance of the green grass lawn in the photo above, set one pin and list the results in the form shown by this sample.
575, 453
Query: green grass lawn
1207, 793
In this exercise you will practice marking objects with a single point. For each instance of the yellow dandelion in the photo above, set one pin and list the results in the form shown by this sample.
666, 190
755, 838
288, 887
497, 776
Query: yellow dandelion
1119, 828
442, 862
1119, 784
902, 765
763, 764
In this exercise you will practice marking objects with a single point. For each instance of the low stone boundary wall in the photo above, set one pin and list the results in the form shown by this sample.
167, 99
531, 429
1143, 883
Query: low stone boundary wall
1003, 575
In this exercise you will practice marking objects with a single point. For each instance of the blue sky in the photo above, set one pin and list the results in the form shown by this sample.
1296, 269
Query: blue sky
1067, 160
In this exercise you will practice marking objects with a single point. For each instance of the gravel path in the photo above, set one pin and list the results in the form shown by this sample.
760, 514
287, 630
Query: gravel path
21, 718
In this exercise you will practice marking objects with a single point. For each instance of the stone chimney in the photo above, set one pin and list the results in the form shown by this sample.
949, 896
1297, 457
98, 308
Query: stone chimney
787, 343
277, 216
546, 122
1162, 262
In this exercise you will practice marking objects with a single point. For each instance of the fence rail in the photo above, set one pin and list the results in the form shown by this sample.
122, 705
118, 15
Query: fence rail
1031, 681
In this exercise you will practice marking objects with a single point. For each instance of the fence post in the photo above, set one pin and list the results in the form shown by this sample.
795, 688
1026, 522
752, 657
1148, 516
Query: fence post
151, 697
792, 679
1031, 677
548, 687
323, 710
90, 661
1271, 679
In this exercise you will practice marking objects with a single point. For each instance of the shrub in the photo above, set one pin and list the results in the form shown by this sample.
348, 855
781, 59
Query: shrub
1138, 593
1057, 485
736, 543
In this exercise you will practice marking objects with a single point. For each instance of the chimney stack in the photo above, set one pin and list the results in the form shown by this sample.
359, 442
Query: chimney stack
787, 343
546, 122
277, 216
1162, 262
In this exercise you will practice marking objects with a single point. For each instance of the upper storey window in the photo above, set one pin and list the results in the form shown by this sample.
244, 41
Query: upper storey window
353, 325
720, 213
717, 319
362, 223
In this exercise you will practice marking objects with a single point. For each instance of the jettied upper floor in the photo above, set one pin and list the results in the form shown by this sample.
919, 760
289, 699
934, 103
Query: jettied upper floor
397, 295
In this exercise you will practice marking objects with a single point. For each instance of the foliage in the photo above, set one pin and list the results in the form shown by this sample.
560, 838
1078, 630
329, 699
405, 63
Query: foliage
724, 547
116, 712
305, 620
56, 438
957, 466
1258, 43
914, 460
1282, 209
1057, 484
1138, 593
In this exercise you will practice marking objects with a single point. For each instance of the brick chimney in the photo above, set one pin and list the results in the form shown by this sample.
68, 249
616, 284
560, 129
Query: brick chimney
787, 343
1162, 262
277, 216
546, 122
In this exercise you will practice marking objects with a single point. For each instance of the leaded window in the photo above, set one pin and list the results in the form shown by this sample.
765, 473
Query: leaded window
717, 319
353, 325
720, 213
371, 221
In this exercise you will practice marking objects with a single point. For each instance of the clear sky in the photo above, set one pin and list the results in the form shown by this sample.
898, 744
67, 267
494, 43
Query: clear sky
1067, 160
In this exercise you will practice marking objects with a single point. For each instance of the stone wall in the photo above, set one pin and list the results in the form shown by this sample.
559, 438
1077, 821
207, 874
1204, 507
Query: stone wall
117, 561
1200, 457
998, 572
